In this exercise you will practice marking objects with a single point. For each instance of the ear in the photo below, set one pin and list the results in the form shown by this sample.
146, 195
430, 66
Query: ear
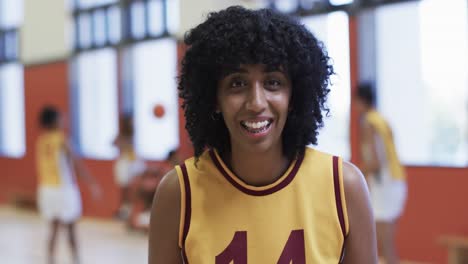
217, 109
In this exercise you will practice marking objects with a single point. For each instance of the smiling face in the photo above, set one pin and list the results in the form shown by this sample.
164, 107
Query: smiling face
254, 101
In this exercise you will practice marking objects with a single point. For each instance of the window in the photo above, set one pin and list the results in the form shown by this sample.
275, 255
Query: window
421, 62
150, 19
12, 131
149, 75
286, 6
97, 24
332, 29
95, 95
137, 30
84, 4
309, 7
340, 2
94, 77
154, 74
12, 117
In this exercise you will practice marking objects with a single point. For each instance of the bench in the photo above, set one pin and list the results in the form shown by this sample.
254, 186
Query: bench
457, 248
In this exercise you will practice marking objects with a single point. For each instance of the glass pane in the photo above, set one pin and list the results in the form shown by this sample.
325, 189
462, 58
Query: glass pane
154, 76
311, 4
11, 13
97, 104
12, 117
445, 53
332, 29
2, 47
99, 20
341, 2
84, 21
173, 16
137, 11
11, 45
114, 22
431, 119
156, 25
286, 6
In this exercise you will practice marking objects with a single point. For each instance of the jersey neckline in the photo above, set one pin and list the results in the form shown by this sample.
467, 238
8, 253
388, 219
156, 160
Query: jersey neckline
279, 184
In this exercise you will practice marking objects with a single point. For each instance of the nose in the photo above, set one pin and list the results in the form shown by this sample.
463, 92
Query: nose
256, 98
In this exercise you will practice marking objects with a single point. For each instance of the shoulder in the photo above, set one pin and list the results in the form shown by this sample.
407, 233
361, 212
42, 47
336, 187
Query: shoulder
164, 235
351, 173
353, 180
356, 193
169, 188
165, 211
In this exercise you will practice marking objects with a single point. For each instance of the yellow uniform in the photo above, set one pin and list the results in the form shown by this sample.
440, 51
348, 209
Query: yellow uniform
389, 155
58, 194
388, 191
50, 157
300, 218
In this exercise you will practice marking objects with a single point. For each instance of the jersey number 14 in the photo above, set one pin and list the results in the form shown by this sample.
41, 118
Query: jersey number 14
236, 251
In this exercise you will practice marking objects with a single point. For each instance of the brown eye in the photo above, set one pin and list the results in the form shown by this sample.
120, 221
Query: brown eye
236, 83
273, 83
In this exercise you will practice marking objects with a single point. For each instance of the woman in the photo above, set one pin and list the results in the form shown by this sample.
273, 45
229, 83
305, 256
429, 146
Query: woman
254, 85
384, 173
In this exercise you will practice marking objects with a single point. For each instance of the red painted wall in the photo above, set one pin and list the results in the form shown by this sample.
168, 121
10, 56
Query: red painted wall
437, 205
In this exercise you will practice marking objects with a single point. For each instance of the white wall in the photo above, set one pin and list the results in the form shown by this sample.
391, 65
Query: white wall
45, 34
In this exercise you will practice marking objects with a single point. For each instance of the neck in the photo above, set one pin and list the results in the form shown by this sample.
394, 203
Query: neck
257, 169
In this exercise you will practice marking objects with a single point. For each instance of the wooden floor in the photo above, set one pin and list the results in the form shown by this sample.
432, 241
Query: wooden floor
23, 241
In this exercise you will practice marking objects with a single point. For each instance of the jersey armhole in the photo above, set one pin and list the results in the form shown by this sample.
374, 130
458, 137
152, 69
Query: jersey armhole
343, 196
185, 204
340, 199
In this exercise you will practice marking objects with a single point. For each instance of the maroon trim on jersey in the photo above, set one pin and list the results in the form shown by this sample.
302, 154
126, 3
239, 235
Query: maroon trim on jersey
184, 256
339, 205
271, 190
188, 208
342, 251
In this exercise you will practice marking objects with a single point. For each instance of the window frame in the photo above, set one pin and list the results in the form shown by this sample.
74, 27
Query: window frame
7, 60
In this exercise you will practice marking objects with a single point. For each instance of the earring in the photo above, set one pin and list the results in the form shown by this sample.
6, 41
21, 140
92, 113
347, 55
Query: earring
216, 115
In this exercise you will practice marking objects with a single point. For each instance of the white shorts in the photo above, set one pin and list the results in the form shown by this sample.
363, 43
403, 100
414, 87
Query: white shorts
62, 203
388, 198
125, 170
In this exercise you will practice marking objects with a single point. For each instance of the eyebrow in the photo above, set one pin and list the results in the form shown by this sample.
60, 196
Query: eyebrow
240, 69
232, 70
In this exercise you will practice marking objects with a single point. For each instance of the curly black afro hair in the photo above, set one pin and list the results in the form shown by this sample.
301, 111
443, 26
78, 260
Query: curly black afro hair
237, 36
49, 117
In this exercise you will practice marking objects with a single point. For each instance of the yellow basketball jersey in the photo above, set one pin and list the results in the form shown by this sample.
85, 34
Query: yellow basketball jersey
384, 132
300, 218
49, 147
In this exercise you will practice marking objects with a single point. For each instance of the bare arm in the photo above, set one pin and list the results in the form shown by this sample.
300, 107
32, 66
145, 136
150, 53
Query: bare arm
164, 225
78, 165
371, 163
361, 245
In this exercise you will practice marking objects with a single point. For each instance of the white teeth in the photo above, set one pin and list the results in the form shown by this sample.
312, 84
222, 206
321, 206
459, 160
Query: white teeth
256, 125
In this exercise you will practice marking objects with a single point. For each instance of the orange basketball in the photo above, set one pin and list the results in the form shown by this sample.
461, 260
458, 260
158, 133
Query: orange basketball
159, 111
